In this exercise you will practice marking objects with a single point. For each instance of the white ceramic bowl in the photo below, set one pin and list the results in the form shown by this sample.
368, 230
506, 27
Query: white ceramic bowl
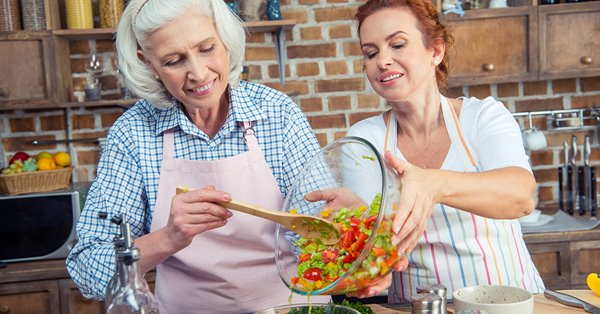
531, 218
493, 299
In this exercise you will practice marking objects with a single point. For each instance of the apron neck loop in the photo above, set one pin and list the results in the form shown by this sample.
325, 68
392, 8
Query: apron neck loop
249, 134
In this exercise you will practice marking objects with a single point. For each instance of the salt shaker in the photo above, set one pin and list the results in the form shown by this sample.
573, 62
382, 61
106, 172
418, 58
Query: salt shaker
426, 303
439, 290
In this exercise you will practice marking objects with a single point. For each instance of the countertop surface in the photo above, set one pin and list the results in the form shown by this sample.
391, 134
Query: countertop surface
542, 305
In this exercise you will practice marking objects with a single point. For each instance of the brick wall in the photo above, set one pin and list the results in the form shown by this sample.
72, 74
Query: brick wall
324, 77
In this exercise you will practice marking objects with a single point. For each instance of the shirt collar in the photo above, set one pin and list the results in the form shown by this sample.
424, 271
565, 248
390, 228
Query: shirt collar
243, 108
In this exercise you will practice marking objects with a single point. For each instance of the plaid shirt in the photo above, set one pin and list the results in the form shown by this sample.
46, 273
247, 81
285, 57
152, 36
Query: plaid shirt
129, 168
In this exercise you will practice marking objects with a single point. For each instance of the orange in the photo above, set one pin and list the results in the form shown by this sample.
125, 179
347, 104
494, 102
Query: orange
43, 155
62, 159
46, 164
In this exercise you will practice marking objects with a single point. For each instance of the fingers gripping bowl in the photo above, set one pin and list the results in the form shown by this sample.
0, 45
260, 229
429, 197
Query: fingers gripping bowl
360, 195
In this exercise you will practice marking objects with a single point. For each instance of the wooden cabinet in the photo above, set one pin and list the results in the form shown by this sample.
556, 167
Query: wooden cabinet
44, 287
29, 297
524, 42
569, 40
564, 259
493, 46
30, 63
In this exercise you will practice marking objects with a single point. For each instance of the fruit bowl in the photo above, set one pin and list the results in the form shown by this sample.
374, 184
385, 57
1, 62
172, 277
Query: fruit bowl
367, 194
35, 181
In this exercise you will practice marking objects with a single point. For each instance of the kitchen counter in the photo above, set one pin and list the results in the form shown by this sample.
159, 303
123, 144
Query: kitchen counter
542, 305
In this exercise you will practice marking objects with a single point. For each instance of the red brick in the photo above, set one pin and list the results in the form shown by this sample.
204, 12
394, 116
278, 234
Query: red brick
307, 69
311, 51
311, 33
368, 101
535, 88
311, 104
585, 101
556, 139
322, 139
88, 157
335, 13
273, 70
508, 90
590, 84
340, 103
107, 119
339, 134
78, 65
328, 121
542, 157
354, 85
340, 31
82, 174
22, 125
357, 67
545, 175
52, 123
255, 38
300, 15
336, 67
352, 49
555, 103
546, 193
83, 121
564, 86
308, 2
290, 86
109, 82
79, 47
261, 53
454, 92
359, 116
479, 91
254, 73
94, 134
105, 45
79, 84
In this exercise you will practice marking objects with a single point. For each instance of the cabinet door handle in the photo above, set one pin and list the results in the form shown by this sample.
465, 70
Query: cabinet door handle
488, 67
4, 92
4, 308
586, 60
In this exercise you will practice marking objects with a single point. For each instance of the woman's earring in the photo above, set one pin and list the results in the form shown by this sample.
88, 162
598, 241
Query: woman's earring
157, 78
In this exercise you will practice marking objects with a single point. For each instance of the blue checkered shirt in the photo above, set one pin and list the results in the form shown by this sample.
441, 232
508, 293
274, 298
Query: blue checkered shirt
129, 167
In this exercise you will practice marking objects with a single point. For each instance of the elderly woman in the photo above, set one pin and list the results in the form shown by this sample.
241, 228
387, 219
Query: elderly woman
465, 175
196, 125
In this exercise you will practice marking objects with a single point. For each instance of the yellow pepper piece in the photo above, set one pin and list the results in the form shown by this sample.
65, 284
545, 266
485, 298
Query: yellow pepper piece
594, 283
318, 284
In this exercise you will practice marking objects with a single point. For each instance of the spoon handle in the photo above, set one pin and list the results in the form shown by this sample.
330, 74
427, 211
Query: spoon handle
253, 210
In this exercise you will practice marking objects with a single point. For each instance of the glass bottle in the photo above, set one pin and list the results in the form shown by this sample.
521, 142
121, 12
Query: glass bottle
110, 13
32, 12
10, 18
127, 291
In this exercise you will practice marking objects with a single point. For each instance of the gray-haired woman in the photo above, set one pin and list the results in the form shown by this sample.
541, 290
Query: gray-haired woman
196, 125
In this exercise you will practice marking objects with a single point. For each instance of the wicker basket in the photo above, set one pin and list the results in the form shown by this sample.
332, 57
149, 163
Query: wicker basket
36, 181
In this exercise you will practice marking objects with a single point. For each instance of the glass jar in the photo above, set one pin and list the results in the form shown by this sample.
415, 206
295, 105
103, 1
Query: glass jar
367, 195
110, 13
32, 12
10, 18
79, 14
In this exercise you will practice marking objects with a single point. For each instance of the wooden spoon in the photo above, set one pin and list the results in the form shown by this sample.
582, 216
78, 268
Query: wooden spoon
306, 226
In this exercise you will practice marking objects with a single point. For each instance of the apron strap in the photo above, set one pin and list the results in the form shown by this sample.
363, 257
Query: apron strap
249, 136
169, 144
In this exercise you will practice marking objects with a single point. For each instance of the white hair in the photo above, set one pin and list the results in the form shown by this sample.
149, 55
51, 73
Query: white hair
152, 15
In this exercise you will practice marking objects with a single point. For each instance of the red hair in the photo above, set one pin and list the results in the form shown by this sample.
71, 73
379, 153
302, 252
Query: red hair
433, 31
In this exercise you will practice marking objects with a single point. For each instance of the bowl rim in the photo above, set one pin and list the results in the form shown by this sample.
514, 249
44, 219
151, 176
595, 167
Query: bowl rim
376, 225
529, 298
318, 304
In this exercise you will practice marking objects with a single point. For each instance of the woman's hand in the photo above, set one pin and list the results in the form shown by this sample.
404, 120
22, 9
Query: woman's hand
419, 188
336, 198
195, 212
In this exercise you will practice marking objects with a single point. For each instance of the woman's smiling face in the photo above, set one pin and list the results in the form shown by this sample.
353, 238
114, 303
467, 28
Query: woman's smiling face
190, 59
396, 61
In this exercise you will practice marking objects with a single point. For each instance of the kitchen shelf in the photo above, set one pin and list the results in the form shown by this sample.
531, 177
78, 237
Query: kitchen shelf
99, 103
277, 28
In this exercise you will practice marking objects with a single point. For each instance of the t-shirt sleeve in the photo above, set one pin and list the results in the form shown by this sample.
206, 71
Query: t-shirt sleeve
494, 134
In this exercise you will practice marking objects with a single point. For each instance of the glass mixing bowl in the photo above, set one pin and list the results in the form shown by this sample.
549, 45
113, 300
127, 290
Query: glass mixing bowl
367, 194
305, 308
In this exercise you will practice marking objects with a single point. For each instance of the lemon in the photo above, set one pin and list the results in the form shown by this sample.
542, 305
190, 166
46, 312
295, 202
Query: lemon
593, 282
62, 159
43, 155
46, 164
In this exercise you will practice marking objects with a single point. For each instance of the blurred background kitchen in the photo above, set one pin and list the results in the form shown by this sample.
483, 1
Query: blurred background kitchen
60, 89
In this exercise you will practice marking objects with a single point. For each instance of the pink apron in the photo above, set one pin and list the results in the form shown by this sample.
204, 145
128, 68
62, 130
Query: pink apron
230, 269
